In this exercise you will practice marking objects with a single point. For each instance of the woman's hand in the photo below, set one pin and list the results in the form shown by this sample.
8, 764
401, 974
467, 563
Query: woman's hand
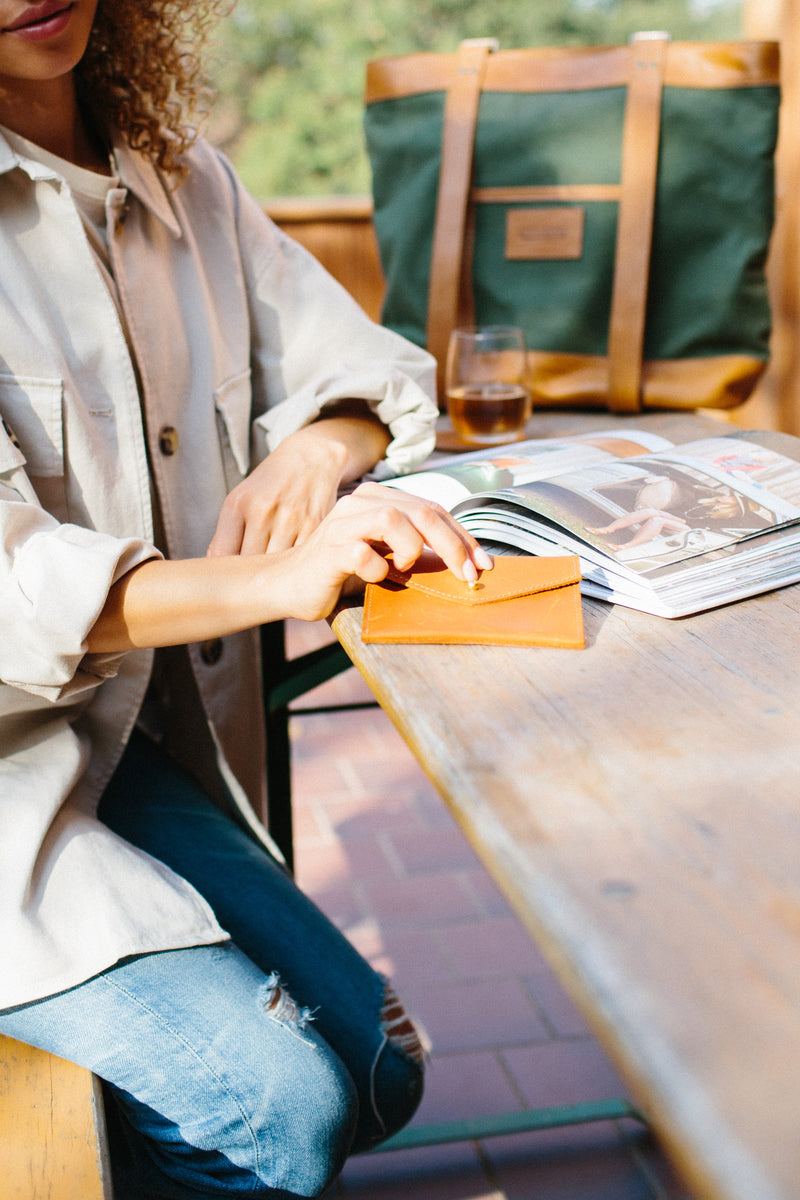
353, 541
170, 603
286, 496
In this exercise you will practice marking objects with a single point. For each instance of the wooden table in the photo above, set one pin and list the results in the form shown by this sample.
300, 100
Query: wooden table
639, 805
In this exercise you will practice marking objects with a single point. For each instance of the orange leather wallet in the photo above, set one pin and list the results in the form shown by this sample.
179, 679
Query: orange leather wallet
522, 601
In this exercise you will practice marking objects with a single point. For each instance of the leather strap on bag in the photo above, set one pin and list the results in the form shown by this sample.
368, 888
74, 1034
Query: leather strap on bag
640, 139
455, 174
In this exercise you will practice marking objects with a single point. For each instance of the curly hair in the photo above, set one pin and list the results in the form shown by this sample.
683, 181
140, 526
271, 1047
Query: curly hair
142, 72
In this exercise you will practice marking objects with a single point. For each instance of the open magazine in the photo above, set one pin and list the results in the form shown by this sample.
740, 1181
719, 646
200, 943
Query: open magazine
667, 529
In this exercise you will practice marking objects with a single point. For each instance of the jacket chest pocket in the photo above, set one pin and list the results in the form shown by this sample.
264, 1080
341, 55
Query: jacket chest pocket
233, 405
32, 411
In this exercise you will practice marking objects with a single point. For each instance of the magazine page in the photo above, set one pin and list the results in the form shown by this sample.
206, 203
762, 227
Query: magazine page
719, 577
448, 479
646, 512
763, 562
502, 529
769, 460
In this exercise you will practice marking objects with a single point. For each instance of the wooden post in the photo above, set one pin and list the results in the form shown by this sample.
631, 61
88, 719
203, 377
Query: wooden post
52, 1128
776, 403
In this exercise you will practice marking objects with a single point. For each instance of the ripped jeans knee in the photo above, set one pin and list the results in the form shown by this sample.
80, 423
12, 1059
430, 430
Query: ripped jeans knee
396, 1077
399, 1028
391, 1095
396, 1067
216, 1082
281, 1007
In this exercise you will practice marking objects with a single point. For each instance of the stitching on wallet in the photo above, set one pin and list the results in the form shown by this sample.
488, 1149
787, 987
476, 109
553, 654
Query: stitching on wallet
472, 601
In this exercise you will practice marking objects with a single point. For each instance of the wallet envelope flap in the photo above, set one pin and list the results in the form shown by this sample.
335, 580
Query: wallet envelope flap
511, 577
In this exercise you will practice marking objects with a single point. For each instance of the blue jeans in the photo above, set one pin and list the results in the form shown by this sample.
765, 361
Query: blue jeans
250, 1068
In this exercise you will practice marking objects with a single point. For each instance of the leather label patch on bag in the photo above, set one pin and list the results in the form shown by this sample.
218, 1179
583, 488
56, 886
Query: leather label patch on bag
544, 232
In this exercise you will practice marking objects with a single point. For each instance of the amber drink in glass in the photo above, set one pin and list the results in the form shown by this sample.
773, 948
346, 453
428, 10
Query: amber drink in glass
487, 400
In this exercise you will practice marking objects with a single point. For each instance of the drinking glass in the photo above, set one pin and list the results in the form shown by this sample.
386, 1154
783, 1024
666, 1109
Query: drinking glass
487, 400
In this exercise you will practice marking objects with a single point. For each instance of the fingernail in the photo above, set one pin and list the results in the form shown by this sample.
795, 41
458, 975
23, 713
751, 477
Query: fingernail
484, 560
470, 571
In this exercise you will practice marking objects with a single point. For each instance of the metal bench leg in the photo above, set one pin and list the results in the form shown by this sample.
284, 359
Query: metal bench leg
414, 1136
284, 680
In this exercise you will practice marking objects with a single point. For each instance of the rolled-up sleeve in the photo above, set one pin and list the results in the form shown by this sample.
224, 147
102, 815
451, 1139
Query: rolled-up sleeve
313, 345
54, 580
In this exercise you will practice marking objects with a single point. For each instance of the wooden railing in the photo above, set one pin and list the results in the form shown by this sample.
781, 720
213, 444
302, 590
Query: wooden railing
339, 232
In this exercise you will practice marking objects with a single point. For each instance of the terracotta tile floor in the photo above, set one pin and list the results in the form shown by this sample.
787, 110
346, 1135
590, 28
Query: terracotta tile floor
379, 852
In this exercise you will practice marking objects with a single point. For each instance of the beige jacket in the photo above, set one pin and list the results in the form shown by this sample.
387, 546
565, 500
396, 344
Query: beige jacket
239, 338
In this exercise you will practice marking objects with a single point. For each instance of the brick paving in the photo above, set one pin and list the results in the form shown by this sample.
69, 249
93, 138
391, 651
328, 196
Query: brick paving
378, 851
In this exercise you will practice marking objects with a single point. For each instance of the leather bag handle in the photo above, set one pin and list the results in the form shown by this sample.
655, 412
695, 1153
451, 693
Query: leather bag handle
640, 141
455, 176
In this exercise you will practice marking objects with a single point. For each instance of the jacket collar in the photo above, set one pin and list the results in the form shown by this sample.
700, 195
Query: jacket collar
136, 173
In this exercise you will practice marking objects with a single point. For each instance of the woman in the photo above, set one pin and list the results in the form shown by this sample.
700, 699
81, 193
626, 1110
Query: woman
183, 394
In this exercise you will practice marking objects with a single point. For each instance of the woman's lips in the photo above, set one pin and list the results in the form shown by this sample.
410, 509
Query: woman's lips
41, 20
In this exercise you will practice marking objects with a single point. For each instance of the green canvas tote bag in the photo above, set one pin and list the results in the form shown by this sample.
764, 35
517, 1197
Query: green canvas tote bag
616, 202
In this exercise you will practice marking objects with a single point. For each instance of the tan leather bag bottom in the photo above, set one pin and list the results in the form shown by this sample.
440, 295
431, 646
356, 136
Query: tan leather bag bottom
581, 381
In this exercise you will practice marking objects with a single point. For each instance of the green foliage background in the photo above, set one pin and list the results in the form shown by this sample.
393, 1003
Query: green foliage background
289, 76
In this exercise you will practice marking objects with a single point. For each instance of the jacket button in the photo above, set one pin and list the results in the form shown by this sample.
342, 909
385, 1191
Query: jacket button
121, 218
211, 651
167, 440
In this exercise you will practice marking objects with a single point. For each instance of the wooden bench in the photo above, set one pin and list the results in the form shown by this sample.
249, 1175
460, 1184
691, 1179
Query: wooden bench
52, 1128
